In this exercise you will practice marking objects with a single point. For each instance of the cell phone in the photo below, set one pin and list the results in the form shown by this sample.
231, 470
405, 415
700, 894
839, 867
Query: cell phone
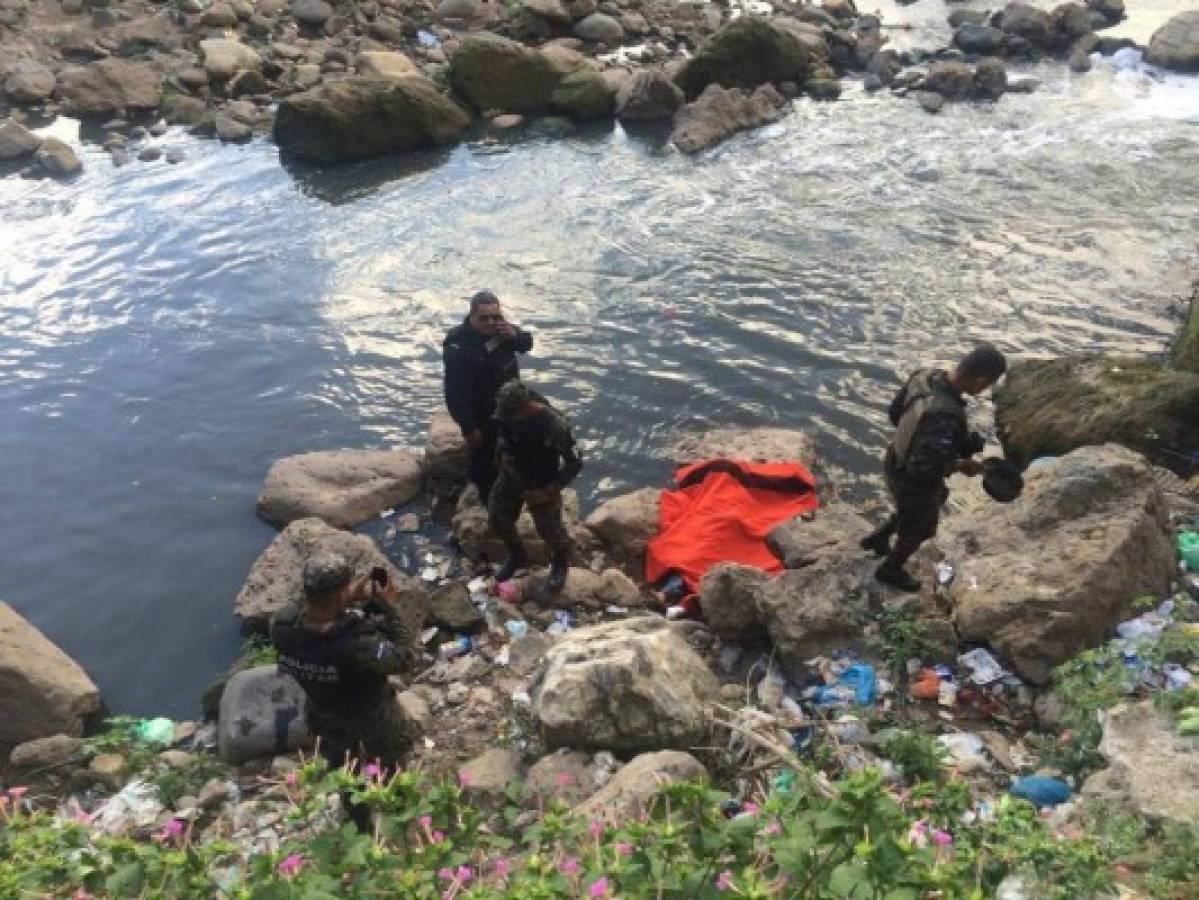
379, 576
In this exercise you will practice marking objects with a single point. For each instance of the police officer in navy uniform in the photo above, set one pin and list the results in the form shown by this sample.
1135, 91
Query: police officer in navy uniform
932, 441
480, 357
341, 645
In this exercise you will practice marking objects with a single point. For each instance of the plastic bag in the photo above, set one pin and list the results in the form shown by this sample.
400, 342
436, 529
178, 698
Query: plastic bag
1041, 791
984, 668
860, 678
154, 731
965, 751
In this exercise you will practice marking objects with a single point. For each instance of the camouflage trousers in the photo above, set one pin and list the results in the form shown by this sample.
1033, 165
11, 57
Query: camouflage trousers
505, 506
375, 736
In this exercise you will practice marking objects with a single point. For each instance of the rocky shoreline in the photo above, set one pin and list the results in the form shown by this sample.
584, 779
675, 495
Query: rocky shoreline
335, 82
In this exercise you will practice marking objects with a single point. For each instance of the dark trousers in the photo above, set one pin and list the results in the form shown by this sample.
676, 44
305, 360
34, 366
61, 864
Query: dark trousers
917, 511
507, 502
483, 463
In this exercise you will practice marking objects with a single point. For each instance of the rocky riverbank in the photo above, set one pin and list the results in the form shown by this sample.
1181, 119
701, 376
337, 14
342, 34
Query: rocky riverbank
347, 81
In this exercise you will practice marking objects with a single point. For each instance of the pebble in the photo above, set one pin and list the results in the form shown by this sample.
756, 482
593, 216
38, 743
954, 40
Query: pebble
150, 154
175, 156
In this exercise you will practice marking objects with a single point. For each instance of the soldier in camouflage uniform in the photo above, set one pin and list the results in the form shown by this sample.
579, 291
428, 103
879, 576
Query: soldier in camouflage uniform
341, 646
932, 441
537, 460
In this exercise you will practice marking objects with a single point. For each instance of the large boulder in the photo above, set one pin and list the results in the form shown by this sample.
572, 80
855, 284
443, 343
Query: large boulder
566, 776
728, 597
469, 527
225, 57
29, 83
1028, 23
343, 487
584, 590
803, 540
57, 158
952, 80
1052, 573
625, 524
492, 72
648, 95
43, 691
719, 113
1050, 407
977, 38
625, 686
755, 444
631, 790
357, 118
1071, 21
109, 86
584, 95
16, 141
745, 53
1152, 770
1176, 44
275, 580
263, 713
447, 458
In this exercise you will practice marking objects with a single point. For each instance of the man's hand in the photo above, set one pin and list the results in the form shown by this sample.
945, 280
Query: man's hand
506, 330
970, 467
474, 439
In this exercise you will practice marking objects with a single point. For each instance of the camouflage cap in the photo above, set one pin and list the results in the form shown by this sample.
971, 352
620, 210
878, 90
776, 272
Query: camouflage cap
324, 574
511, 401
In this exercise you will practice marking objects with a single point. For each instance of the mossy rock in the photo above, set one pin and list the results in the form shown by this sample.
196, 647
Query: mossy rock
1050, 407
491, 72
357, 118
744, 54
584, 95
1186, 349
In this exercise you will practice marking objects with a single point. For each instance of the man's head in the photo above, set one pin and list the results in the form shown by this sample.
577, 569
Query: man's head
512, 401
979, 369
327, 579
485, 313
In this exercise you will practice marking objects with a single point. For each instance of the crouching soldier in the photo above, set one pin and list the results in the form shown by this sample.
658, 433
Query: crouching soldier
341, 646
537, 460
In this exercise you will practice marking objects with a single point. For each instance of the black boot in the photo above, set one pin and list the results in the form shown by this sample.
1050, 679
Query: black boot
894, 574
559, 567
879, 540
517, 559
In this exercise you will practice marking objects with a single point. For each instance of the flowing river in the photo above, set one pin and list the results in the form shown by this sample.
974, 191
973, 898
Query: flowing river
168, 331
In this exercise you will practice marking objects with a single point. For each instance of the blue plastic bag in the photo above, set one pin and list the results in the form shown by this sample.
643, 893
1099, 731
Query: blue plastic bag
860, 677
1041, 791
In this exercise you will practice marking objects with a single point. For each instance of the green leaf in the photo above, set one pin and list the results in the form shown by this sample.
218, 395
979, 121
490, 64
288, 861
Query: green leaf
127, 881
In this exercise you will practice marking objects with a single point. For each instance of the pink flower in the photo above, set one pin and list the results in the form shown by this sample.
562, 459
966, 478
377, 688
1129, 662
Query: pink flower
81, 894
750, 807
372, 771
290, 865
724, 881
942, 838
772, 828
569, 867
563, 779
464, 778
596, 829
501, 867
173, 828
292, 779
17, 792
445, 874
437, 837
425, 822
599, 888
465, 874
624, 849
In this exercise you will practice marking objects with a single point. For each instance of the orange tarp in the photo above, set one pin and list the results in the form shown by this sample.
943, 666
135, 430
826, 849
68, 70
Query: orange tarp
721, 511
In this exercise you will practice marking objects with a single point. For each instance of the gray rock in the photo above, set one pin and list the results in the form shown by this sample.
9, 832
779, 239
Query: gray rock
231, 131
446, 455
55, 751
584, 95
720, 113
263, 713
1112, 11
1071, 21
486, 778
219, 15
580, 9
584, 589
461, 10
755, 444
470, 529
313, 13
1023, 85
492, 72
150, 154
728, 597
967, 17
450, 607
1079, 60
385, 64
1029, 23
978, 38
801, 541
631, 790
225, 57
625, 524
952, 80
565, 776
990, 79
16, 141
357, 118
109, 86
526, 653
750, 51
624, 686
343, 487
600, 29
274, 582
415, 712
175, 156
822, 88
246, 83
58, 159
29, 84
552, 11
1175, 45
45, 691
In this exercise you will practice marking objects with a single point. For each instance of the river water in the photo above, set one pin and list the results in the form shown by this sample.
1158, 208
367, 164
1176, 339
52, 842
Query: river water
168, 331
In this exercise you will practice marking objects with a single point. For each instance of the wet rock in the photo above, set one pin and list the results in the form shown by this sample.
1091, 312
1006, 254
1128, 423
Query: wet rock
648, 95
174, 156
1051, 574
1134, 402
801, 541
446, 455
553, 12
274, 583
748, 52
584, 95
492, 72
225, 57
460, 10
343, 487
357, 118
16, 141
625, 524
486, 778
1079, 60
929, 101
624, 686
884, 65
219, 15
1071, 21
1112, 11
263, 713
30, 83
150, 154
1175, 45
600, 29
450, 607
312, 13
755, 444
565, 776
1152, 771
1023, 85
952, 80
231, 131
181, 110
990, 79
246, 83
633, 787
469, 527
306, 76
385, 64
1029, 23
109, 86
45, 691
968, 17
728, 597
978, 38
